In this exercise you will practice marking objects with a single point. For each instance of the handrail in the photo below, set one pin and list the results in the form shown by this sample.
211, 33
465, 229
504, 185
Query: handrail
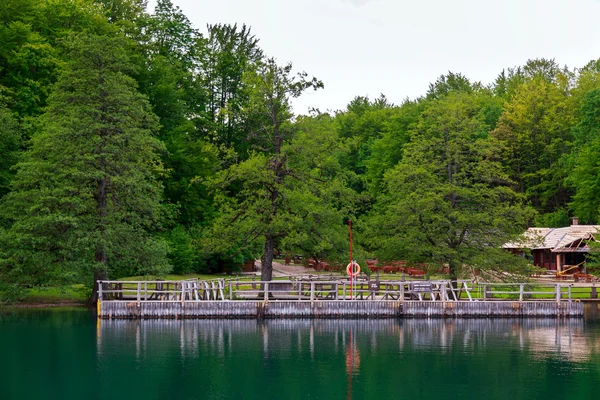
189, 289
317, 290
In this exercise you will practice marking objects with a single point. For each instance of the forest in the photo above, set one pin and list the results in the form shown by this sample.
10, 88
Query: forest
133, 143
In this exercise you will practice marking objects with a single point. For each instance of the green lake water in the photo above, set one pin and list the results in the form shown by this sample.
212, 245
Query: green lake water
68, 354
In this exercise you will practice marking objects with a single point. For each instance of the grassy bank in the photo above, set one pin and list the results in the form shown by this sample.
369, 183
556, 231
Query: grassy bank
79, 294
51, 296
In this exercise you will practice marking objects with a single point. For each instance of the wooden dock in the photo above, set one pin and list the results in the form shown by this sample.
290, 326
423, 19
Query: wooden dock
331, 299
336, 309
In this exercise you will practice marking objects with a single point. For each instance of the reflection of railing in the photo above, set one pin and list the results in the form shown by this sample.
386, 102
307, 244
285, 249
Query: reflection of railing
546, 336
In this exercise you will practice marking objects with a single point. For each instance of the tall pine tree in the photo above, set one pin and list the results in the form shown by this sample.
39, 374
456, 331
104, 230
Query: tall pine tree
86, 194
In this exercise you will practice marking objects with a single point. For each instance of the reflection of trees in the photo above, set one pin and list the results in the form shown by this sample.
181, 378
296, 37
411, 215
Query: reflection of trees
313, 354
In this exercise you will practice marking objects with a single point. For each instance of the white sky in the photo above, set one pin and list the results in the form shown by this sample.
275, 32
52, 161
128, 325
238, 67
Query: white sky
397, 47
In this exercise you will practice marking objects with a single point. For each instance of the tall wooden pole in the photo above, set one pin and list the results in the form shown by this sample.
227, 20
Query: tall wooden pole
351, 260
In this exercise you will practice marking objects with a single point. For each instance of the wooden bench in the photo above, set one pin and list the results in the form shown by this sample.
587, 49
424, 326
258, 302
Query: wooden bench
580, 277
415, 272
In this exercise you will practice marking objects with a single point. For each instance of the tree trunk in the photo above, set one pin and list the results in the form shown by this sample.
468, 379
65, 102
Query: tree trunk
101, 268
98, 276
266, 273
453, 279
452, 271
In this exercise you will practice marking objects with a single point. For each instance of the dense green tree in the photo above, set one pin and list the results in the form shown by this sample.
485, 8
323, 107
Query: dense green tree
386, 151
448, 202
123, 11
167, 68
509, 80
226, 54
450, 83
34, 35
10, 145
224, 121
359, 127
87, 193
362, 123
535, 129
263, 197
584, 163
183, 254
28, 66
168, 55
322, 200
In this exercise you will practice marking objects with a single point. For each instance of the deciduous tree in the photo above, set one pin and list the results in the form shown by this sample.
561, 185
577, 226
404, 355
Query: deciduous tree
263, 197
448, 202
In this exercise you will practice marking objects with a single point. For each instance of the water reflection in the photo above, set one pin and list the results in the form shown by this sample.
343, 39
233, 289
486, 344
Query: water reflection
220, 338
352, 363
70, 356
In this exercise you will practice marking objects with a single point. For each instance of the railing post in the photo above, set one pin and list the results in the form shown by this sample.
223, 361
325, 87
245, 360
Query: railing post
139, 289
520, 292
467, 291
570, 292
230, 290
401, 292
484, 292
146, 291
100, 290
266, 286
344, 291
312, 290
221, 285
558, 292
444, 291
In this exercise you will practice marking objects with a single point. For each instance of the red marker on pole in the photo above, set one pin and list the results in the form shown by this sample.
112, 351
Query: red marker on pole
351, 260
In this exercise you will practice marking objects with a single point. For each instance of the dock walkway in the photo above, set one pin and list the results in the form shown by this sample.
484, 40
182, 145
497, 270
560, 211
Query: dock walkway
314, 298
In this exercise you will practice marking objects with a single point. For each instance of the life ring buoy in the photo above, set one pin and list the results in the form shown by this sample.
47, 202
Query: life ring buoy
351, 271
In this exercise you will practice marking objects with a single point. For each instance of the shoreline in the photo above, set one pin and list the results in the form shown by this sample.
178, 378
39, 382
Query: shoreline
53, 304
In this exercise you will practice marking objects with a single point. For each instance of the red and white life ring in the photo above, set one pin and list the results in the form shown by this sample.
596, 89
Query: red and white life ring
352, 271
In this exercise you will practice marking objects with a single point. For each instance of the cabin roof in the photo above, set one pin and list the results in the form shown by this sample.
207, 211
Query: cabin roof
559, 240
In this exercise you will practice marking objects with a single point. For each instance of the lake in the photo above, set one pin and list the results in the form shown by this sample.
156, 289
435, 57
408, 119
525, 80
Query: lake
68, 354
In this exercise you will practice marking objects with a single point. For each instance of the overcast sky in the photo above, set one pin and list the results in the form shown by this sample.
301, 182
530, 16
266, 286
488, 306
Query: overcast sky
397, 47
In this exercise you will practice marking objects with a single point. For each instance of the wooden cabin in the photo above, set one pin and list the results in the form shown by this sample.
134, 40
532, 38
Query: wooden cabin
557, 249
